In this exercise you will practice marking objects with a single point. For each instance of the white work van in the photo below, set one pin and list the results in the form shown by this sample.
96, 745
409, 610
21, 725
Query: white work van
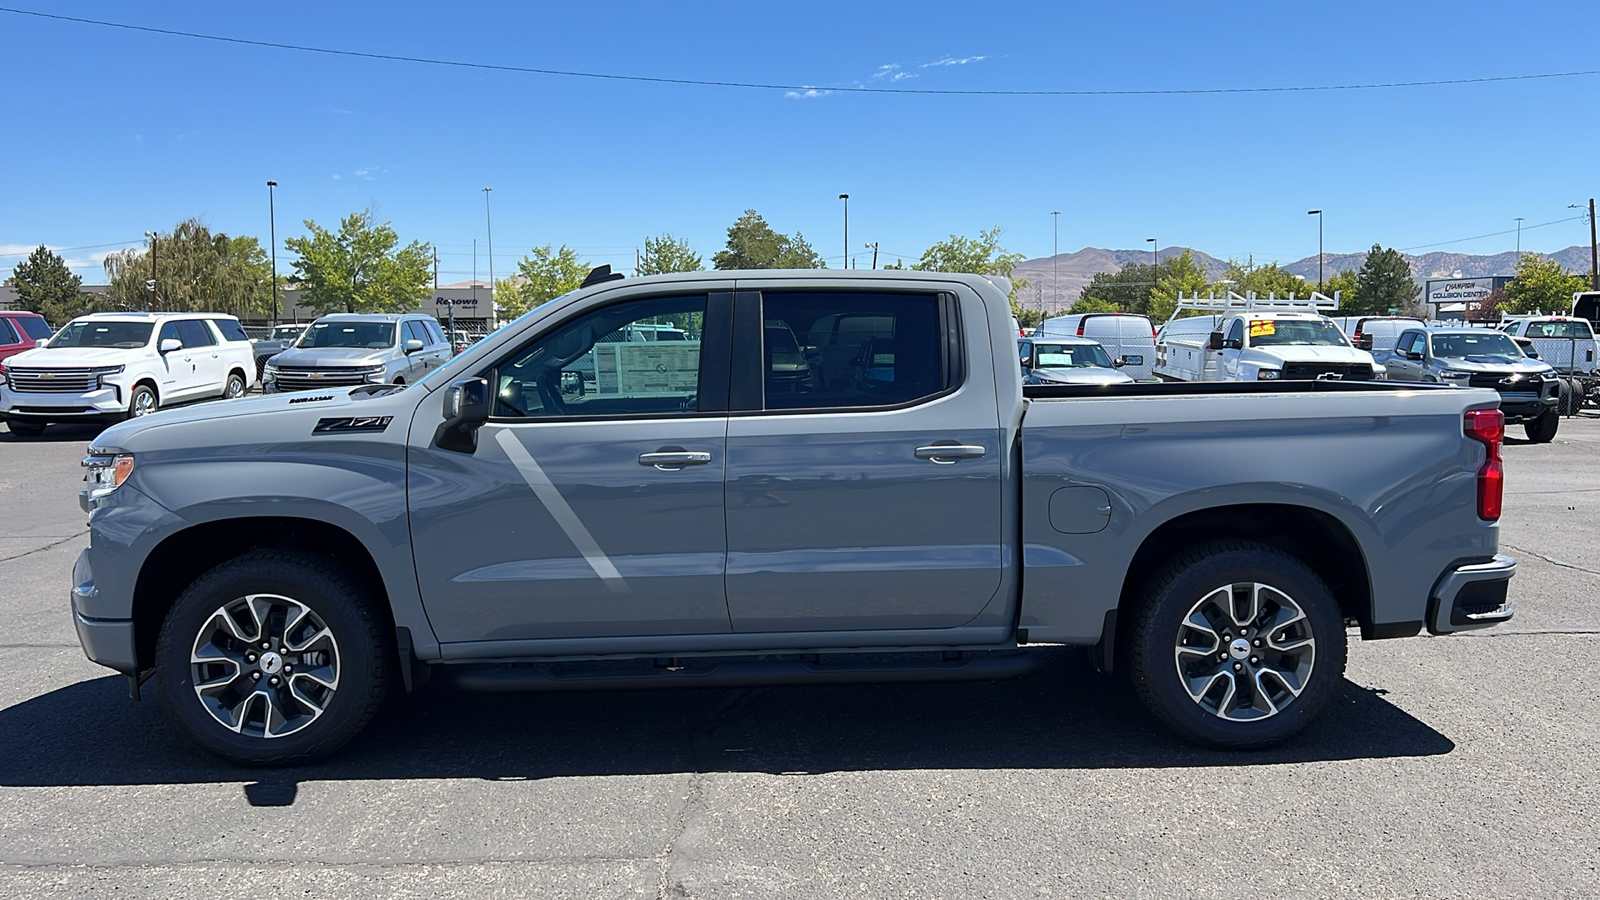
1127, 337
1259, 340
1375, 334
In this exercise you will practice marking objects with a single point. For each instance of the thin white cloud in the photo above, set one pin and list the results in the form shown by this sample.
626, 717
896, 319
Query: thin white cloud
953, 61
340, 112
338, 178
888, 71
902, 76
807, 94
363, 173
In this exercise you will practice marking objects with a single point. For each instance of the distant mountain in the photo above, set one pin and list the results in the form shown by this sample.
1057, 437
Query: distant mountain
1075, 270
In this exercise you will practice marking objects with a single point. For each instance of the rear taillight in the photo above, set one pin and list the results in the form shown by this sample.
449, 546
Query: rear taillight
1488, 427
1080, 328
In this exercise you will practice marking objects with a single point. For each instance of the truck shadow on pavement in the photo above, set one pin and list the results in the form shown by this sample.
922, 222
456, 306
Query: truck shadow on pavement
1067, 717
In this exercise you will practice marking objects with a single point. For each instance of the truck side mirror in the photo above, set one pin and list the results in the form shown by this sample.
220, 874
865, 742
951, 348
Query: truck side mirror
412, 346
1363, 342
1216, 340
41, 343
170, 345
466, 407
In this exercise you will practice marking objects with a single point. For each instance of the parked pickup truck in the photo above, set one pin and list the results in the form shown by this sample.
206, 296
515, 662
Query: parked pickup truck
282, 562
1481, 357
1262, 345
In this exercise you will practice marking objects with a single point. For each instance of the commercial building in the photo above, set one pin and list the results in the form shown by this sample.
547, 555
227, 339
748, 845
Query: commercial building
1461, 298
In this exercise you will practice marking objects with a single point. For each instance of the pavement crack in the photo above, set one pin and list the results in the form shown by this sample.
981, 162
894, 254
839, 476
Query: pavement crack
672, 861
1552, 560
70, 537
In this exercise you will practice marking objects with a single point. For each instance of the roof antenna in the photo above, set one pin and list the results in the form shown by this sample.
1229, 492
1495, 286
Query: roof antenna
600, 275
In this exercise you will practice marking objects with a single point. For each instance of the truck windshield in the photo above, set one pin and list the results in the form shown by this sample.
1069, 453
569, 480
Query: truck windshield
1070, 356
1295, 332
348, 334
127, 335
1490, 345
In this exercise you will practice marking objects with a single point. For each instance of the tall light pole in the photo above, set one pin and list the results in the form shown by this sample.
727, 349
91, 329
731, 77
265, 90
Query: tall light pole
846, 199
1318, 214
272, 228
1155, 257
1519, 238
151, 284
1055, 250
489, 221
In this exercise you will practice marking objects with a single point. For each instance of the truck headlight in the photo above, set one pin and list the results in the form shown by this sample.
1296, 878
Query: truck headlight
1454, 374
98, 374
1268, 374
373, 374
269, 372
103, 474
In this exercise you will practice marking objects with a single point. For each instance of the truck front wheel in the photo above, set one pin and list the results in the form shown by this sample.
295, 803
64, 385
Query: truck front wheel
1237, 645
1543, 429
274, 658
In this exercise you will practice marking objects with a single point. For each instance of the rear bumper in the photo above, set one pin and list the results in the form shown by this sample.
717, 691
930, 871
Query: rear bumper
108, 642
1472, 596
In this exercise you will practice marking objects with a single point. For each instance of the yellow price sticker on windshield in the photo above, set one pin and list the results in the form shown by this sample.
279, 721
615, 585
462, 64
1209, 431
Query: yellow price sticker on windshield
1261, 327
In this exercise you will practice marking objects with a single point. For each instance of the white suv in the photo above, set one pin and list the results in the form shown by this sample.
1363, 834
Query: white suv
106, 367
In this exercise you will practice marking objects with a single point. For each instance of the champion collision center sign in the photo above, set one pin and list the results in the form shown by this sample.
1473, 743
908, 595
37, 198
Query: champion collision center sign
1460, 290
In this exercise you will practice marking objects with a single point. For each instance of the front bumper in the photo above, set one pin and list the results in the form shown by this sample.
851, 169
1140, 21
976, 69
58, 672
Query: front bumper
105, 404
108, 642
1472, 596
1518, 408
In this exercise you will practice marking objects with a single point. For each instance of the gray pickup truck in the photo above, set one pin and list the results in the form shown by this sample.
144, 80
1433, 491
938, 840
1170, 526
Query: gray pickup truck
695, 515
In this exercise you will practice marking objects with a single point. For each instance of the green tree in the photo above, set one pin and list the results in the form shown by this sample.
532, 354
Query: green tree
46, 286
1096, 305
1266, 281
1127, 289
753, 244
1180, 275
362, 268
1345, 285
543, 275
1541, 285
197, 270
982, 255
1384, 283
668, 254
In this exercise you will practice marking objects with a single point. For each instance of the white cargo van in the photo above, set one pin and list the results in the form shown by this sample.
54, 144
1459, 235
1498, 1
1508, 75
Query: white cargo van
1376, 334
1128, 337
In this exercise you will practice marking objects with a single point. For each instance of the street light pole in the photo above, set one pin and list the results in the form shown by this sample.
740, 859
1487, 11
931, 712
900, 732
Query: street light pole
846, 199
1318, 214
1594, 251
1055, 266
1519, 238
1155, 257
272, 226
151, 305
489, 221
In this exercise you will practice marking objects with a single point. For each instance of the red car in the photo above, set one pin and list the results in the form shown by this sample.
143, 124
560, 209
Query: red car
18, 331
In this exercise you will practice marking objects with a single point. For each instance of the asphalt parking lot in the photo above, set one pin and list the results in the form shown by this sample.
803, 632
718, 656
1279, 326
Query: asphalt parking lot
1453, 767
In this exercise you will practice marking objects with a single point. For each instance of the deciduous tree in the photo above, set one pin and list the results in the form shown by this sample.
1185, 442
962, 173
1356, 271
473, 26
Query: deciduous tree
361, 268
668, 254
1180, 275
543, 275
1541, 285
981, 255
197, 270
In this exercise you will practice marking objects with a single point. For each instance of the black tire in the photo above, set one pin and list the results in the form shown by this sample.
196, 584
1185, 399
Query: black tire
362, 657
235, 386
1543, 429
1160, 639
143, 401
1571, 397
26, 429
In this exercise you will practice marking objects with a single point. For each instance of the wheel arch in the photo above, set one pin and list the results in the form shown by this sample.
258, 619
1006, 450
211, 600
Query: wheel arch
185, 555
1313, 536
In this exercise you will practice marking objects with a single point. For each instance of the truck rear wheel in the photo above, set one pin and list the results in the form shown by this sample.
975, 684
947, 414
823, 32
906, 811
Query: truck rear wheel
1237, 645
1543, 429
274, 658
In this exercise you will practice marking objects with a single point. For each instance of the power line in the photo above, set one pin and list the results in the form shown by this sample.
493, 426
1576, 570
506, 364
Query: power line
73, 249
1490, 234
696, 82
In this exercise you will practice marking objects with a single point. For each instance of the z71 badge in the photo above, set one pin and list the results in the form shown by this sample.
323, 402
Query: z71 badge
351, 424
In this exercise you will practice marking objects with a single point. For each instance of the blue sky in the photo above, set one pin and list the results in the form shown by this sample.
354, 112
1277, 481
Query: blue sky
113, 133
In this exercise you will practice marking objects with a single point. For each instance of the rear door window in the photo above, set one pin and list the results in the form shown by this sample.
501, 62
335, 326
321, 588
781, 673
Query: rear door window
852, 350
194, 333
231, 329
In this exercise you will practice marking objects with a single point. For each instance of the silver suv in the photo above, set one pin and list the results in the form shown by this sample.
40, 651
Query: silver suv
346, 349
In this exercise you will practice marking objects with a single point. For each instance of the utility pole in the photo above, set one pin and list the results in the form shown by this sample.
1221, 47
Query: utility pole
1594, 252
272, 225
845, 197
489, 220
1519, 238
636, 262
1055, 251
874, 246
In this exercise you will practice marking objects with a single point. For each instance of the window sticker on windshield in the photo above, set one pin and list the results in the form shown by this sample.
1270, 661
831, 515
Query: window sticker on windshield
1262, 327
883, 359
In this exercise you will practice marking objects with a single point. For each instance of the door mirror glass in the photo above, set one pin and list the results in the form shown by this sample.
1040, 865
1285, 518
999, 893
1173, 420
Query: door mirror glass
169, 345
1216, 340
1363, 342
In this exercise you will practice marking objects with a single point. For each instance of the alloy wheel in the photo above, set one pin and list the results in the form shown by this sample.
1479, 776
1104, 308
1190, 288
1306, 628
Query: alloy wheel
1245, 651
265, 665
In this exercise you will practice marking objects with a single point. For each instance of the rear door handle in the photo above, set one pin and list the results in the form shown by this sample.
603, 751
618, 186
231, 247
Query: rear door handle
672, 460
947, 454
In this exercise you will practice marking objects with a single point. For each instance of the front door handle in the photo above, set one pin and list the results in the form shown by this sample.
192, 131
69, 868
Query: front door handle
947, 454
672, 460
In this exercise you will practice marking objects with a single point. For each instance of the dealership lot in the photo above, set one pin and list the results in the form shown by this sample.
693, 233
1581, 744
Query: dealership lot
1451, 767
